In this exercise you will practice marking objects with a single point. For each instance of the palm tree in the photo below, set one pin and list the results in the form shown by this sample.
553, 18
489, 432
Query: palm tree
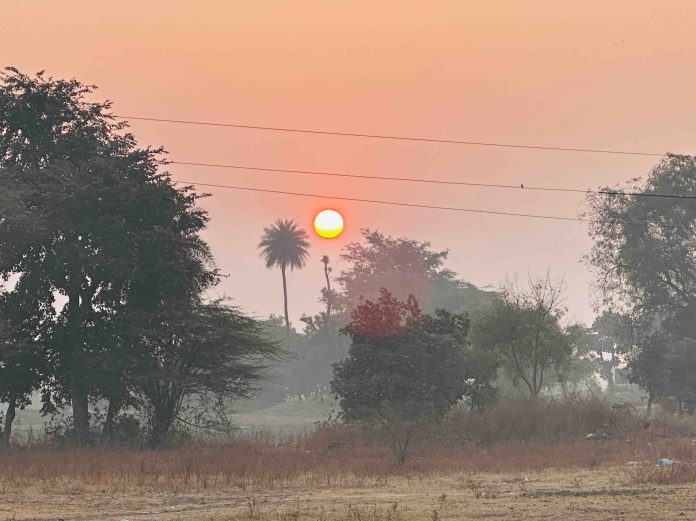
284, 245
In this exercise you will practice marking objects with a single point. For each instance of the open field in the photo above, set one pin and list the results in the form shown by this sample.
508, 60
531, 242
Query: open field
551, 494
309, 480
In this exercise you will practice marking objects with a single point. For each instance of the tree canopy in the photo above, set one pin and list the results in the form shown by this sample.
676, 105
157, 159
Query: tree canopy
108, 238
401, 360
404, 267
643, 258
284, 245
523, 327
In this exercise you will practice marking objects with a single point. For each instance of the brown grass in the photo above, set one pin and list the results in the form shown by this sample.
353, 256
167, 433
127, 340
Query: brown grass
334, 475
516, 461
327, 458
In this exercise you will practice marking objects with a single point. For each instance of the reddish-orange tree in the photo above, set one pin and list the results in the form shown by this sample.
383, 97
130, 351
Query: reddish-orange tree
408, 364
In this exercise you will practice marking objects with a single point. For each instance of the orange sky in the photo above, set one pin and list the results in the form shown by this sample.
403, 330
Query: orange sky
619, 74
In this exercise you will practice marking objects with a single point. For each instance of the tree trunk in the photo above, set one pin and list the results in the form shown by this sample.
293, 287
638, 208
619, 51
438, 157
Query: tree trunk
649, 407
160, 425
285, 299
108, 430
9, 418
610, 373
80, 409
78, 393
328, 290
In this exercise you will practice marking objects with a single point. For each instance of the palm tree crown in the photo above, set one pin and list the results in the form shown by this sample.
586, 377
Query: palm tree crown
284, 244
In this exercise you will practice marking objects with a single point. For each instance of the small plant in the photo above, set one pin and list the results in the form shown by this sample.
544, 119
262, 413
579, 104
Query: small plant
251, 504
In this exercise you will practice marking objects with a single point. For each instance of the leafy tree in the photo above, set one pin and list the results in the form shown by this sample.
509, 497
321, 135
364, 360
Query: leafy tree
405, 363
681, 367
284, 245
404, 267
644, 262
523, 327
663, 366
643, 245
195, 349
21, 365
108, 234
611, 334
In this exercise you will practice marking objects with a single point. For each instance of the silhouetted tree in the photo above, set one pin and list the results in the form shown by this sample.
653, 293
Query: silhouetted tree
106, 232
284, 245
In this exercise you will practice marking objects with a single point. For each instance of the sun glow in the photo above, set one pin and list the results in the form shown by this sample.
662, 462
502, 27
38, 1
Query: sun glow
328, 224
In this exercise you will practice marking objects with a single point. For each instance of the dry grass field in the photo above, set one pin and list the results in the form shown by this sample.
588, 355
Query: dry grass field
318, 478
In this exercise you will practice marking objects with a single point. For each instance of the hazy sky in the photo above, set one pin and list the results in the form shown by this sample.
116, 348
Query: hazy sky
619, 74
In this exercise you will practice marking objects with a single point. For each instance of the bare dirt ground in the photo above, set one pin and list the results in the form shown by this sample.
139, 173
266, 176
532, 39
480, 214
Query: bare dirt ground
552, 494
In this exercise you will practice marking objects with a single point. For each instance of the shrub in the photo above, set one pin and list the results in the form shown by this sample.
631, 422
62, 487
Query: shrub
517, 419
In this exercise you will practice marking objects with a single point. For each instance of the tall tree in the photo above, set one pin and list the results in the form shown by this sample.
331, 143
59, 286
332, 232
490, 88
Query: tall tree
643, 259
284, 245
524, 327
104, 224
611, 337
643, 245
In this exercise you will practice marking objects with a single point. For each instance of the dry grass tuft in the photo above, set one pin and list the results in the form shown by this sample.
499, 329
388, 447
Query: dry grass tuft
649, 473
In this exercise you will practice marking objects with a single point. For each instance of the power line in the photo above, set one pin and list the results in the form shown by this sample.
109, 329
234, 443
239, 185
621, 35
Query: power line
396, 203
398, 138
431, 181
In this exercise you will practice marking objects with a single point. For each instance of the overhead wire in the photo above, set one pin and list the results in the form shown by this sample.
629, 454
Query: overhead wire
420, 180
400, 203
522, 186
397, 137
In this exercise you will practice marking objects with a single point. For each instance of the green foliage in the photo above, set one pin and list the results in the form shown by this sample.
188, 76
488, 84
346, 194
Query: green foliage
664, 365
194, 349
611, 338
407, 364
21, 363
643, 257
99, 242
523, 329
643, 246
112, 233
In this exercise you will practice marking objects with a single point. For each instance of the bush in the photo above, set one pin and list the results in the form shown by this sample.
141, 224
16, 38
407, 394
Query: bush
518, 419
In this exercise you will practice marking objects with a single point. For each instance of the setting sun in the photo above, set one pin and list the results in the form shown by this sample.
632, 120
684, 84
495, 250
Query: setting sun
328, 224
